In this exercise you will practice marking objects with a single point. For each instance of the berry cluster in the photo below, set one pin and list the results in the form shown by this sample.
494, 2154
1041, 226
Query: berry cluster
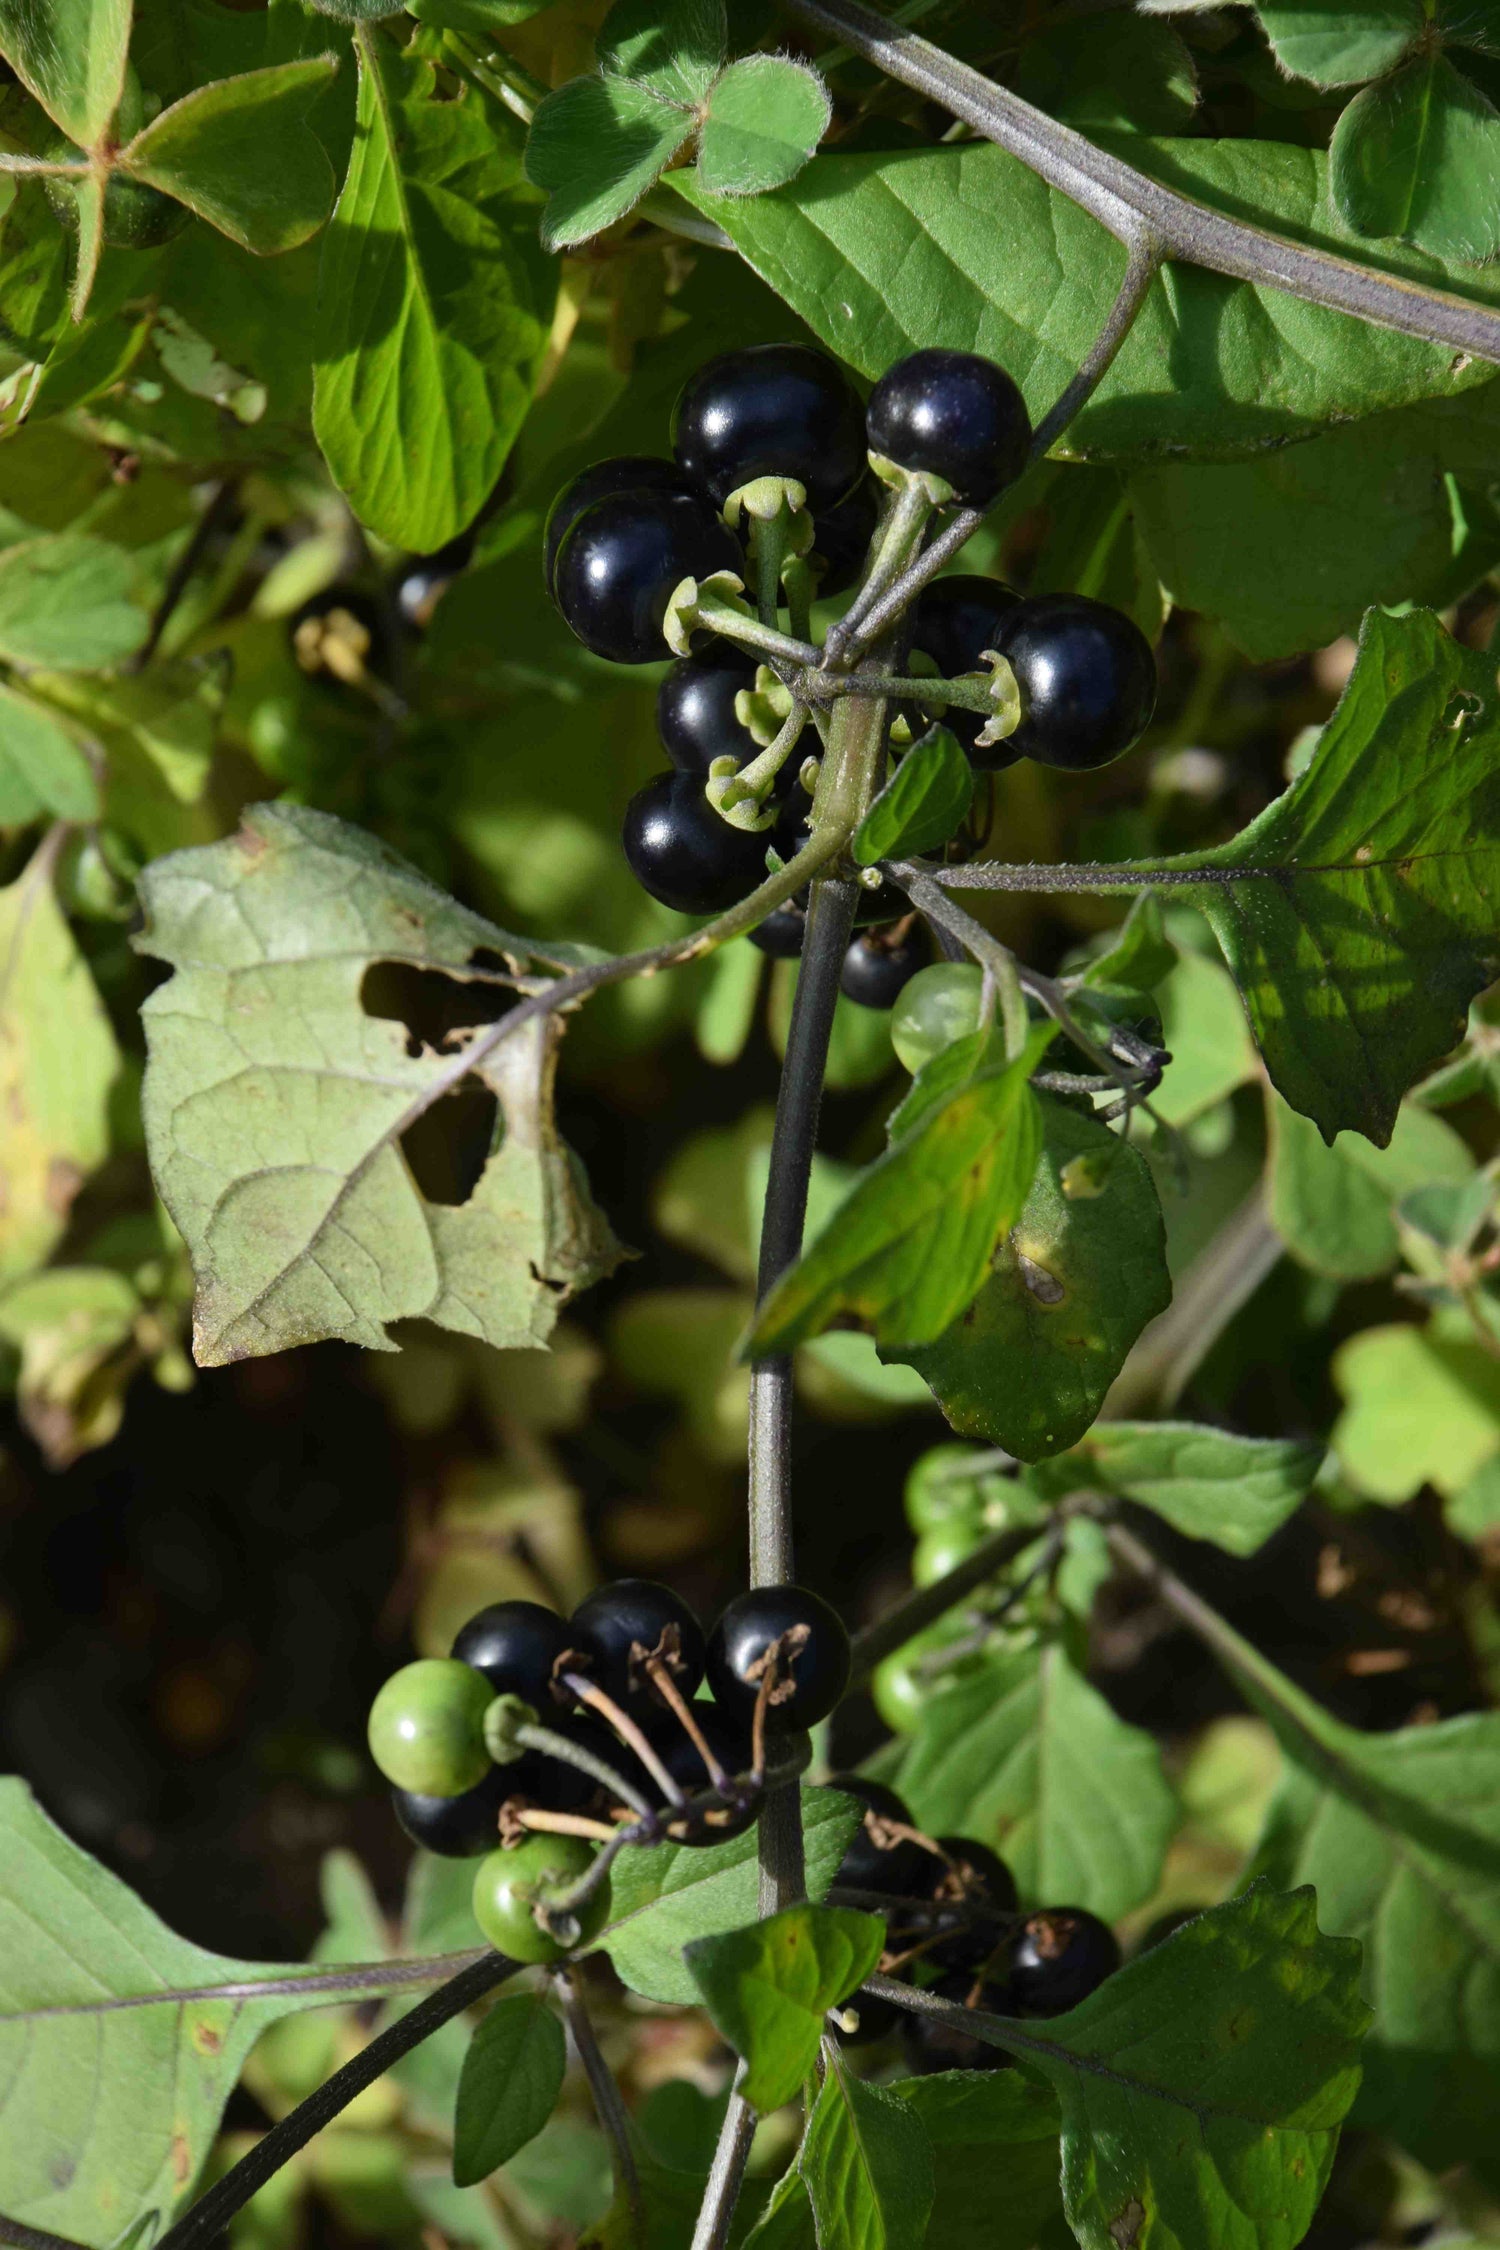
954, 1925
540, 1736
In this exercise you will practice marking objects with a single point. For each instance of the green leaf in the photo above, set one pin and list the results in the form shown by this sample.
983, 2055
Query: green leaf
435, 305
1202, 2087
481, 17
1070, 1288
926, 801
42, 768
595, 146
66, 601
1022, 1752
1334, 1206
107, 2111
512, 2075
667, 1896
994, 2134
885, 253
1139, 955
54, 1095
769, 1986
1419, 1408
1418, 155
71, 55
911, 1243
1356, 912
1110, 74
278, 1102
674, 47
766, 115
1335, 44
240, 153
868, 2166
1205, 1483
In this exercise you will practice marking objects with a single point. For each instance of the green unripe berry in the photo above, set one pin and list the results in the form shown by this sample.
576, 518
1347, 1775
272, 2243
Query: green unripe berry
942, 1490
937, 1552
903, 1684
509, 1884
427, 1727
939, 1005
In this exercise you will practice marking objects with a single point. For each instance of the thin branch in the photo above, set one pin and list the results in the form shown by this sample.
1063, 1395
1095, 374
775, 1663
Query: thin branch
716, 2212
220, 506
928, 1603
22, 2237
1132, 206
211, 2213
367, 1977
996, 875
607, 2102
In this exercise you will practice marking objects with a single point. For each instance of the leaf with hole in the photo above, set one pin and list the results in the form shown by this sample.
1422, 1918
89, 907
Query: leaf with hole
241, 154
926, 801
512, 2075
327, 1001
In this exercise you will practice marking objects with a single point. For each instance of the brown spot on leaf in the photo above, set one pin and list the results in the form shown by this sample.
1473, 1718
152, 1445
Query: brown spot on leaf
207, 2040
63, 1182
182, 2158
1043, 1286
1125, 2227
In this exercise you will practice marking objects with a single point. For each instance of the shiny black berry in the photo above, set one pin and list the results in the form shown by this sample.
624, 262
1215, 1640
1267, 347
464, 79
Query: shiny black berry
456, 1827
956, 416
877, 968
622, 1625
954, 622
811, 1664
623, 558
517, 1646
627, 472
981, 1892
695, 708
876, 1860
1057, 1958
782, 932
773, 410
841, 538
682, 851
1087, 680
932, 2045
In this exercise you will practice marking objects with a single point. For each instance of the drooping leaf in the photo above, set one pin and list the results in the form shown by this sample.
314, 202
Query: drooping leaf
67, 601
883, 254
42, 768
1419, 1408
769, 1986
1023, 1753
434, 307
71, 55
595, 146
1208, 1484
1418, 155
666, 1897
765, 117
241, 155
1070, 1288
994, 2135
512, 2075
868, 2166
925, 802
1334, 1207
54, 1094
910, 1244
1203, 2085
1335, 44
279, 1099
74, 1328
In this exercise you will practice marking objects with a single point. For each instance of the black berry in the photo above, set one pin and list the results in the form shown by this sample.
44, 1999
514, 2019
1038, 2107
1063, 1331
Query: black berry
774, 410
982, 1892
695, 709
932, 2045
627, 472
782, 932
876, 1860
623, 1625
730, 1743
456, 1827
622, 559
841, 538
876, 968
517, 1646
954, 622
1087, 680
954, 415
811, 1660
684, 853
1057, 1958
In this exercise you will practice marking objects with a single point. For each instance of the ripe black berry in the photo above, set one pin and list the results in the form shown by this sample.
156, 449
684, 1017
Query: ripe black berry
695, 709
684, 853
627, 472
517, 1646
956, 416
982, 1891
456, 1827
812, 1663
1087, 680
618, 1628
782, 932
1057, 1958
774, 410
932, 2045
841, 538
955, 620
876, 968
621, 560
876, 1860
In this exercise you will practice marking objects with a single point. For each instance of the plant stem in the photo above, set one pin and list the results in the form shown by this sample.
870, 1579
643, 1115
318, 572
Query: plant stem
220, 505
928, 1603
22, 2237
607, 2103
1134, 207
552, 1745
716, 2212
207, 2218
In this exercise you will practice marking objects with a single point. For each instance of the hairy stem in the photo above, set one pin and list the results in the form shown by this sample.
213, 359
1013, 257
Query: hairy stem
716, 2212
211, 2213
607, 2102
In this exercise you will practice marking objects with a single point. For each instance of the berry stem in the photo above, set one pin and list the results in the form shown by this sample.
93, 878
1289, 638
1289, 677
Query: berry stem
716, 616
753, 782
1002, 977
566, 1824
553, 1745
897, 544
666, 1687
628, 1732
